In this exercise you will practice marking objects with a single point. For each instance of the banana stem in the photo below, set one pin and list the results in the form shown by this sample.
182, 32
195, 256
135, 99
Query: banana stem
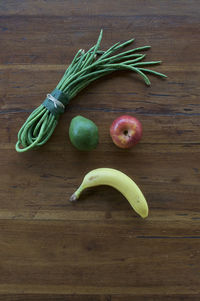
74, 197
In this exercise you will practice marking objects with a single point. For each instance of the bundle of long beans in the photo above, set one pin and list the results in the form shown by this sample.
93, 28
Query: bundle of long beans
84, 69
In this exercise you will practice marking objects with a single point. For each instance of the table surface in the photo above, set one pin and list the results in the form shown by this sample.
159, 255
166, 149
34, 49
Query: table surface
99, 249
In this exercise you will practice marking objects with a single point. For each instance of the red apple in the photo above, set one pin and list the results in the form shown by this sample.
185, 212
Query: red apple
126, 131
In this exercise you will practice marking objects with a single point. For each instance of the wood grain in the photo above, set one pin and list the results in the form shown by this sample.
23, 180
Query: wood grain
98, 249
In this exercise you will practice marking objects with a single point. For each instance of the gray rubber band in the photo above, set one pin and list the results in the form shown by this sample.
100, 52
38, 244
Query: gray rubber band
55, 102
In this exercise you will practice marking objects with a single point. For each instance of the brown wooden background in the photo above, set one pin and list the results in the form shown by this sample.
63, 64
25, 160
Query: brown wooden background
98, 249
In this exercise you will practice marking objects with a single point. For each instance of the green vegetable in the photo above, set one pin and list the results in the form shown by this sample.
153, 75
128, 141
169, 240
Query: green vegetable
84, 69
83, 133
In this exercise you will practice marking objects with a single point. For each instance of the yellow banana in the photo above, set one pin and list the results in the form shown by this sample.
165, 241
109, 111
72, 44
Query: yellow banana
118, 180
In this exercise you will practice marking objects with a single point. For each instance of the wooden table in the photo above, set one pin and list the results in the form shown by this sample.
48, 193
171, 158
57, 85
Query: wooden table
98, 249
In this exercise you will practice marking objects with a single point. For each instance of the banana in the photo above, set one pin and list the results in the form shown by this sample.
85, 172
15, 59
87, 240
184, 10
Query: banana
118, 180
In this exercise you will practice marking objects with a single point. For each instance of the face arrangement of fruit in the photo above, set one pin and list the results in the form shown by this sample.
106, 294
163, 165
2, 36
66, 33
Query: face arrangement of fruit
125, 131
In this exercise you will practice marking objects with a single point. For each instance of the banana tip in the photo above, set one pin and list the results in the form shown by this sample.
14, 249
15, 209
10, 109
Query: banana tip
73, 198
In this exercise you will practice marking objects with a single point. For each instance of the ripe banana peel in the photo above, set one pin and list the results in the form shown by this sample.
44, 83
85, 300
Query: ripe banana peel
118, 180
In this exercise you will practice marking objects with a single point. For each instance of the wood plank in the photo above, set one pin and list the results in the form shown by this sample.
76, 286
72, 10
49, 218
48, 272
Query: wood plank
34, 35
98, 253
60, 297
167, 117
166, 186
168, 297
63, 297
156, 130
72, 8
67, 290
163, 97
